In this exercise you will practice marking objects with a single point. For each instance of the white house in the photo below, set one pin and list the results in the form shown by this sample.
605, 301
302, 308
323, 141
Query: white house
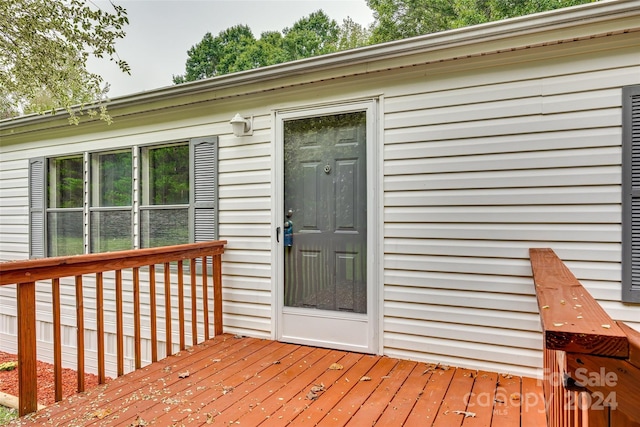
381, 199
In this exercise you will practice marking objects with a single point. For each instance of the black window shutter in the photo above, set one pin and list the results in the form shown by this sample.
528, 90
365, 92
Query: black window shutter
37, 208
205, 188
631, 194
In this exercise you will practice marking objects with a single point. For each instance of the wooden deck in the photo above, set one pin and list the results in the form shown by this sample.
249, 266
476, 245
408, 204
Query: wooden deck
246, 381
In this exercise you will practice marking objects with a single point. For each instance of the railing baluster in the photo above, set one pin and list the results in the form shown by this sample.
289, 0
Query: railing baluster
57, 340
27, 377
152, 302
136, 317
217, 294
194, 304
181, 304
119, 323
77, 267
100, 326
205, 298
80, 332
167, 306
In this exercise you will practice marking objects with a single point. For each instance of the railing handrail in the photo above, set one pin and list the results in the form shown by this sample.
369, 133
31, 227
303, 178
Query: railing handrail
25, 271
591, 362
25, 274
572, 320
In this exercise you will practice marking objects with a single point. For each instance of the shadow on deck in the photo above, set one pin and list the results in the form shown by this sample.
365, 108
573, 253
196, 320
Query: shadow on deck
248, 381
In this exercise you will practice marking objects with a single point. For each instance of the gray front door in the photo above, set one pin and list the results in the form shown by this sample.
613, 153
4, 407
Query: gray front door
325, 229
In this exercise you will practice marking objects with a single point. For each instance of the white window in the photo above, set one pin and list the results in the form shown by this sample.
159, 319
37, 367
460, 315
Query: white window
137, 197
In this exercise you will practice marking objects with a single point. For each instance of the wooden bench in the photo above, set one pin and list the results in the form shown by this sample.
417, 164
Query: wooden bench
591, 362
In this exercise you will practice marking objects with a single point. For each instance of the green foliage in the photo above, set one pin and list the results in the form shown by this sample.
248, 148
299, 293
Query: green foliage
236, 49
352, 35
9, 366
7, 415
44, 48
397, 19
313, 35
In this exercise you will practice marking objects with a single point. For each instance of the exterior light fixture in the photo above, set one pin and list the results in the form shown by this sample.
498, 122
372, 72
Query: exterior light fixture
242, 126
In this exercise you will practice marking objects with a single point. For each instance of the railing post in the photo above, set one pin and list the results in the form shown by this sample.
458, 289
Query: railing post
217, 294
27, 376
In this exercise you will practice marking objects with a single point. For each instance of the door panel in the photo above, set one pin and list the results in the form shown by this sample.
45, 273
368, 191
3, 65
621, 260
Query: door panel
325, 290
325, 198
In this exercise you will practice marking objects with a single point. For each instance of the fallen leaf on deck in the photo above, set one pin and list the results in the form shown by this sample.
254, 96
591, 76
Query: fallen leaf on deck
558, 324
210, 418
515, 396
336, 367
365, 378
184, 374
317, 388
312, 396
138, 422
101, 413
606, 326
465, 413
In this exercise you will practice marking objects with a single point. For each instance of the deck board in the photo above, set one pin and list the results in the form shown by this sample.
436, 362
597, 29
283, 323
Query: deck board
251, 382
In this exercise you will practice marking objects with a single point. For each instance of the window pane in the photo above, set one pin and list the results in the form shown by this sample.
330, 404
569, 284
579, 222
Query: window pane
166, 177
111, 231
111, 179
65, 183
64, 233
164, 227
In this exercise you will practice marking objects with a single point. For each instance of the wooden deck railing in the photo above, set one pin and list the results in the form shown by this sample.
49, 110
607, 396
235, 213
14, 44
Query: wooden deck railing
591, 362
25, 274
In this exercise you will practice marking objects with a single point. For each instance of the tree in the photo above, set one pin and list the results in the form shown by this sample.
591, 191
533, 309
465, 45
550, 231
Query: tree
236, 49
352, 35
44, 48
314, 35
397, 19
213, 56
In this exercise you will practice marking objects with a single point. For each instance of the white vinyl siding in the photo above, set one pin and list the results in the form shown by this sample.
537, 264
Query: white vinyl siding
477, 175
245, 222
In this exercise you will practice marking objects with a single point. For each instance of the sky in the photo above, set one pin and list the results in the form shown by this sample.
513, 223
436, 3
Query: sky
161, 31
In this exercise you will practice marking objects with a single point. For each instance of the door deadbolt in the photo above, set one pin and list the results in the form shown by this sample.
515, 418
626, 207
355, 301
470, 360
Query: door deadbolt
327, 169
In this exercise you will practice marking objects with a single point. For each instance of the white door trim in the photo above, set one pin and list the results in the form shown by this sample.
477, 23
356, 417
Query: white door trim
366, 325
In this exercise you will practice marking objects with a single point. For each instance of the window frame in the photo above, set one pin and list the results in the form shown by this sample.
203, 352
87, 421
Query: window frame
146, 207
94, 206
203, 162
57, 209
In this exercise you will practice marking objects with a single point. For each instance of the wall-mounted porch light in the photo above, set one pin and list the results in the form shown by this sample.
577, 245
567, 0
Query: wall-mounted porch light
242, 126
